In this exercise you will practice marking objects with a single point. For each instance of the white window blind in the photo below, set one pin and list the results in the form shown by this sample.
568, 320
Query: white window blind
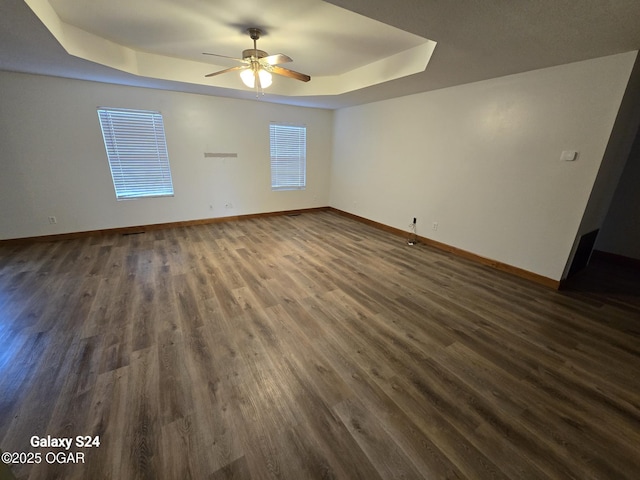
288, 157
137, 151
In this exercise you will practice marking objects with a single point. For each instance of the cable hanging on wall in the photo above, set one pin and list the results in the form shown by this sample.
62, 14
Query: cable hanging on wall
413, 236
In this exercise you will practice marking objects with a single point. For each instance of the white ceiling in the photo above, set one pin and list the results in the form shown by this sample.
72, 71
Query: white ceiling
323, 39
476, 40
166, 42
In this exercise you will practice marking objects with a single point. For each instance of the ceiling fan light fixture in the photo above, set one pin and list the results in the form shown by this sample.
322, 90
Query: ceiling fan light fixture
265, 78
249, 78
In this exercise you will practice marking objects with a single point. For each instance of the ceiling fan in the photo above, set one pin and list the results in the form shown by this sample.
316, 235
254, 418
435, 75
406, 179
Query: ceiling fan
257, 65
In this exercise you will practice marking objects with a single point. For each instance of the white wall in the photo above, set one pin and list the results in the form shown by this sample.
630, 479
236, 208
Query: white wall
53, 161
483, 160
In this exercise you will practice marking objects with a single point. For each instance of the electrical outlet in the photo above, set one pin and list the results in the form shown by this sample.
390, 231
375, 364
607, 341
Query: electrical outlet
414, 220
435, 225
53, 220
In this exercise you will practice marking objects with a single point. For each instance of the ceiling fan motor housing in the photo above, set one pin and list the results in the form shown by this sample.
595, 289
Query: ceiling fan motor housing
252, 52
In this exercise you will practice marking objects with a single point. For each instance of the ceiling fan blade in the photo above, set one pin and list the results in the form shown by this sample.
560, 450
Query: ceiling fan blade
225, 56
276, 59
290, 73
227, 70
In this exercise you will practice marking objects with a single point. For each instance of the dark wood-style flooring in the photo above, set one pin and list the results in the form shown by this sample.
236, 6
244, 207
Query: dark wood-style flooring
312, 346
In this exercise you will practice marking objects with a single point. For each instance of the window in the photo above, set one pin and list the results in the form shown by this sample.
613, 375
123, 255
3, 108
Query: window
137, 152
288, 157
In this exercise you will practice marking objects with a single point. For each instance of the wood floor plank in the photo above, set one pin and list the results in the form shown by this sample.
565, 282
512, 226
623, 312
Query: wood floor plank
387, 457
312, 346
358, 366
